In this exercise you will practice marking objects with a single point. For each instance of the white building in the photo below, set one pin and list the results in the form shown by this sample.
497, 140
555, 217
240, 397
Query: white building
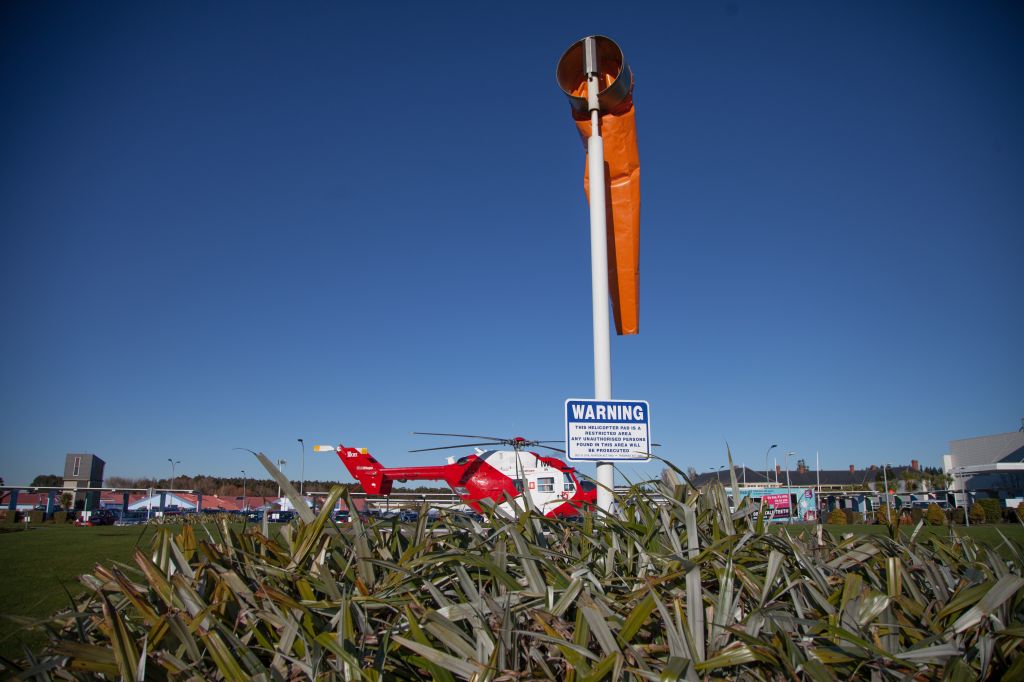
987, 466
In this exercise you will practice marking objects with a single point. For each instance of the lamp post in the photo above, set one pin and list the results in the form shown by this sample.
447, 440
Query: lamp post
302, 473
767, 479
885, 479
243, 490
280, 466
789, 495
718, 472
173, 463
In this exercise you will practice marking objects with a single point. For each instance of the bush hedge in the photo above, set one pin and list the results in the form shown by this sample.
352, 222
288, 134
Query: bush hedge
993, 509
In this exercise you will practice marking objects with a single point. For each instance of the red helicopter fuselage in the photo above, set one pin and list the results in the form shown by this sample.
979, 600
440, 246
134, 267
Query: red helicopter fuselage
495, 475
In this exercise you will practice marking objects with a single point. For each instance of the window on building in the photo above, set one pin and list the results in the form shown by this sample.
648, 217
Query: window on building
546, 484
567, 484
77, 467
519, 484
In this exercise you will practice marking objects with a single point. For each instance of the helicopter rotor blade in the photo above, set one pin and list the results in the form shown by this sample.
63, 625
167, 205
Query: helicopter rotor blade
456, 435
551, 448
452, 447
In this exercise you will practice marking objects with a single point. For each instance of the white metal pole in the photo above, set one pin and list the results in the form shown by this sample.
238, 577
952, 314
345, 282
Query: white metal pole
599, 264
817, 493
885, 480
789, 494
963, 492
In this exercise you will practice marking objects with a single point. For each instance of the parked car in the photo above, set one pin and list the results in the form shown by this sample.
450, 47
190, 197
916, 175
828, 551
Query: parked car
408, 515
342, 516
132, 518
282, 516
100, 517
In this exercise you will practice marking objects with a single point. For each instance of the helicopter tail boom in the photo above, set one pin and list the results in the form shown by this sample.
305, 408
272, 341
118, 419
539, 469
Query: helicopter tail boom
365, 469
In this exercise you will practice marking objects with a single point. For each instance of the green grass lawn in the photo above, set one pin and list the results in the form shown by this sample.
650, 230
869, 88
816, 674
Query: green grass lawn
986, 535
38, 561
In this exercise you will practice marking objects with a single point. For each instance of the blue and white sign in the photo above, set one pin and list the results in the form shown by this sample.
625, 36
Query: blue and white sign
607, 430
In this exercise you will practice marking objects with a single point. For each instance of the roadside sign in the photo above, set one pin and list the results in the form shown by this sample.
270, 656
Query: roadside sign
607, 430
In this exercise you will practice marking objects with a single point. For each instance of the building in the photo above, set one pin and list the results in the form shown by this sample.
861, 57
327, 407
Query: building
860, 490
82, 470
987, 466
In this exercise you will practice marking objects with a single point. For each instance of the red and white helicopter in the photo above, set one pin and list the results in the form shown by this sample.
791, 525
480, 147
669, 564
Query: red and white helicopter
550, 484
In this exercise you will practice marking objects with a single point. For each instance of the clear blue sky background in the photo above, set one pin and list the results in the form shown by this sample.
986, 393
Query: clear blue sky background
237, 224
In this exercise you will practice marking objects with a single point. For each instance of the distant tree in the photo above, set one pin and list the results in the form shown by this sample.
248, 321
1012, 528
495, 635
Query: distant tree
838, 516
935, 516
977, 514
66, 500
691, 472
47, 480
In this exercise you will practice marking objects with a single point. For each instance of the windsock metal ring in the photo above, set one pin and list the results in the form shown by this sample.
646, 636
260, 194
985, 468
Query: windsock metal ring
570, 74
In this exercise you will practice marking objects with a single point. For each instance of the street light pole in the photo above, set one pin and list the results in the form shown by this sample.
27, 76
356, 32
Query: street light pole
172, 470
280, 466
243, 490
767, 479
302, 473
885, 479
789, 495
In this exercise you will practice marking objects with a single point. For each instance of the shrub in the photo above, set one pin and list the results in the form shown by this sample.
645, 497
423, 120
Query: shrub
883, 513
993, 509
1020, 511
935, 515
957, 516
838, 516
977, 514
916, 514
545, 599
36, 517
60, 517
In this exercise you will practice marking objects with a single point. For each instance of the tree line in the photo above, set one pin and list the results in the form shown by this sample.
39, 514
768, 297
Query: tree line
230, 486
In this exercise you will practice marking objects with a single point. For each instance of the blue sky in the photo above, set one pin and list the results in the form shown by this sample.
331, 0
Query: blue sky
237, 224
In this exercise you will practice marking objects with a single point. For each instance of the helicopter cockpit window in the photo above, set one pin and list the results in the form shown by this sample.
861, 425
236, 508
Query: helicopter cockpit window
462, 460
519, 484
567, 484
546, 484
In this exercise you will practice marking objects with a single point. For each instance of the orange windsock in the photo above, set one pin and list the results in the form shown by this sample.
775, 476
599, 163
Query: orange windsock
622, 168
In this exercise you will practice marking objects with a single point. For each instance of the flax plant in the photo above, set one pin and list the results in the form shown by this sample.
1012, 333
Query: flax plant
679, 587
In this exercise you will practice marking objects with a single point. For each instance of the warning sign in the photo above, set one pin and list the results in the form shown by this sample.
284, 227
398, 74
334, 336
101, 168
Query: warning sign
607, 430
